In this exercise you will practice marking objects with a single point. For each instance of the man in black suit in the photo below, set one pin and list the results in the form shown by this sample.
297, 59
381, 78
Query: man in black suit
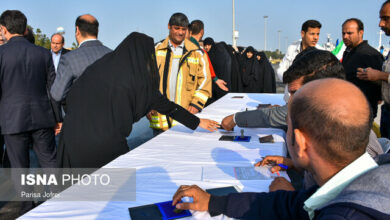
3, 156
25, 110
57, 49
26, 116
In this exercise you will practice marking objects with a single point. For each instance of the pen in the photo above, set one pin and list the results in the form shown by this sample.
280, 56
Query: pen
283, 166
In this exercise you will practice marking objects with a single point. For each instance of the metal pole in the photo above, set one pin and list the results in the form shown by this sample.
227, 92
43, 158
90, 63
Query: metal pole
286, 39
234, 29
265, 32
279, 40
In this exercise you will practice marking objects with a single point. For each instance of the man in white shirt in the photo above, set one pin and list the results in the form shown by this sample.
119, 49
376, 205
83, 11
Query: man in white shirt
310, 34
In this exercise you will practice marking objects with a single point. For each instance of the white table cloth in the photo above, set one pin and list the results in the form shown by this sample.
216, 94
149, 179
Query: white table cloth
181, 156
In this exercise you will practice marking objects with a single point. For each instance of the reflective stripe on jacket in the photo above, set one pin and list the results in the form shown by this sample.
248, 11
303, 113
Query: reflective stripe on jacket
193, 86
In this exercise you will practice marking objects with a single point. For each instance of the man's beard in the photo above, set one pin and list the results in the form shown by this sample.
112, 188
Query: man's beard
387, 32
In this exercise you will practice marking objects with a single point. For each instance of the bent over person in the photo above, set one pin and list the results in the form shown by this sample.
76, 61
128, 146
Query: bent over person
113, 93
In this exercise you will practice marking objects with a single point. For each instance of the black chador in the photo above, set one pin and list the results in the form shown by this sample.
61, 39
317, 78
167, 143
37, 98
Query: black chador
113, 93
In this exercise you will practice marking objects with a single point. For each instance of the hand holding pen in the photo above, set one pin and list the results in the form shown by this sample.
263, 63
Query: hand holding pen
277, 162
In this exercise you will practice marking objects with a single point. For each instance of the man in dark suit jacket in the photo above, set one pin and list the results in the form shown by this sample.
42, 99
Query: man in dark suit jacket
26, 116
57, 49
73, 64
3, 156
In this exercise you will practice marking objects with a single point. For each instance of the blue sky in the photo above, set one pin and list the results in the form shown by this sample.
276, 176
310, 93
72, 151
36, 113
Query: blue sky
118, 18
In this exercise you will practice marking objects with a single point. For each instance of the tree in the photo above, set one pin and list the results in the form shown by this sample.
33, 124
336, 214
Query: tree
274, 54
40, 38
74, 46
43, 40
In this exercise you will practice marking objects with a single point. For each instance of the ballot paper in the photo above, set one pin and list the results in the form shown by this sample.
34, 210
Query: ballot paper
226, 173
253, 173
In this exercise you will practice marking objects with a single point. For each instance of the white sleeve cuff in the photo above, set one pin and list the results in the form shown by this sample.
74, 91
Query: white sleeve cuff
234, 118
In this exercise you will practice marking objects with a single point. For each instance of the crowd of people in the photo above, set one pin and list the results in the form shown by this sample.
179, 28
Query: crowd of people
91, 96
243, 69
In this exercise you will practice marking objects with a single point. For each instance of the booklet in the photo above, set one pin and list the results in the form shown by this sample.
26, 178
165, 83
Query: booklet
158, 211
222, 191
235, 138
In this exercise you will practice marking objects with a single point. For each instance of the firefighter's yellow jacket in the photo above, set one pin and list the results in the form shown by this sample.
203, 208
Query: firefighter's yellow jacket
193, 86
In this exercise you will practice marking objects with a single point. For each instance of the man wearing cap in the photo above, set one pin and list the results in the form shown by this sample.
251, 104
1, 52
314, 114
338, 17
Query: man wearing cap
184, 73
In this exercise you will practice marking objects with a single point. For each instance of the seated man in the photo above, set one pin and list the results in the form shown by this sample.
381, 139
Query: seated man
322, 65
328, 138
280, 183
308, 66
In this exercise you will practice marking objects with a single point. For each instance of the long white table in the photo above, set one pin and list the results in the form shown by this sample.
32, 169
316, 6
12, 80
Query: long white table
181, 156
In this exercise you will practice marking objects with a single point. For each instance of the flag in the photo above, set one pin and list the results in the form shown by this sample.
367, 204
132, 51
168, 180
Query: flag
339, 51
